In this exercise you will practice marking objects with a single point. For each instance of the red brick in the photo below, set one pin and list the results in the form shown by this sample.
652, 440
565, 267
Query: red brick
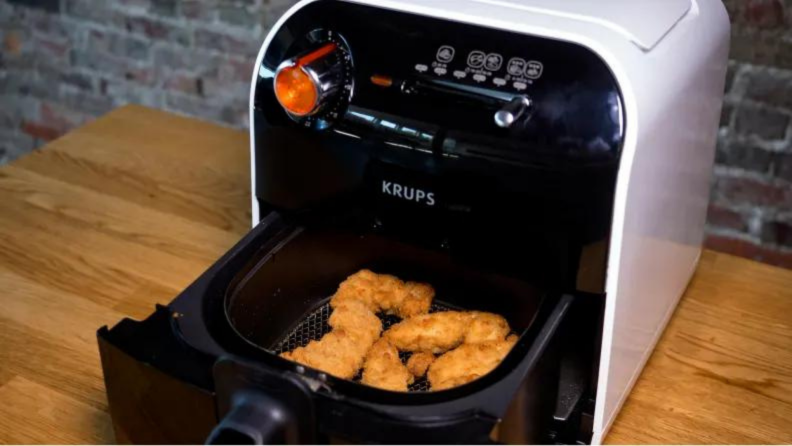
197, 9
139, 4
40, 131
12, 43
236, 70
61, 119
141, 75
744, 155
723, 218
183, 83
147, 27
753, 192
764, 13
743, 248
777, 232
52, 49
767, 124
225, 43
783, 166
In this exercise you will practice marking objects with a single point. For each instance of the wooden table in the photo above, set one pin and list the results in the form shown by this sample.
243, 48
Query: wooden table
125, 212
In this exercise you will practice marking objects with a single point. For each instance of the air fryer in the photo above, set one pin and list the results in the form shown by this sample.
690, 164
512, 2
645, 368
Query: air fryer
480, 150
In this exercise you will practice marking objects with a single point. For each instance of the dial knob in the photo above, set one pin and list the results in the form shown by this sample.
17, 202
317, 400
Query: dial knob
512, 111
307, 84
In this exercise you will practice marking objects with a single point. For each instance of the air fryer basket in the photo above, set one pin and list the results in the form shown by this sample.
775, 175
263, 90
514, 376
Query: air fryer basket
256, 299
281, 302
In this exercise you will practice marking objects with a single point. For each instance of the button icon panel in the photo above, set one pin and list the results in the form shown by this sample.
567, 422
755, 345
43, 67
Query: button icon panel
479, 67
476, 59
445, 54
534, 69
493, 62
516, 66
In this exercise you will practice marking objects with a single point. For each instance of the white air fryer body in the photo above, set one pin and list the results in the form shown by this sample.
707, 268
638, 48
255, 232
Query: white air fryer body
669, 58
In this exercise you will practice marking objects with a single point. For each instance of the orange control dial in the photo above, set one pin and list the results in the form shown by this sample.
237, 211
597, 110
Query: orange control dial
298, 85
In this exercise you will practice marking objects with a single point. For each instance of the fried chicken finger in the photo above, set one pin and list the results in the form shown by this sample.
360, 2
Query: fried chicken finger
341, 352
383, 368
467, 363
386, 293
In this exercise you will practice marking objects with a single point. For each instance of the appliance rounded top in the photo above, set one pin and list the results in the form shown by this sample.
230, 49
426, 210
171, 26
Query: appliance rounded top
643, 22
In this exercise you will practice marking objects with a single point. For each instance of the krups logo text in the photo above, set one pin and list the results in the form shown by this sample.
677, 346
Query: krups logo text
408, 193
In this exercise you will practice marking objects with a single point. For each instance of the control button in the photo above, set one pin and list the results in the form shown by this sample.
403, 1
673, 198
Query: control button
512, 111
499, 81
534, 69
421, 68
476, 59
479, 77
516, 66
520, 86
460, 74
440, 71
493, 62
409, 131
445, 54
388, 124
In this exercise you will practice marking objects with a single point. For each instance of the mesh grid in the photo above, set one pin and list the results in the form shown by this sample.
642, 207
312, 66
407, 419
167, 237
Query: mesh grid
314, 325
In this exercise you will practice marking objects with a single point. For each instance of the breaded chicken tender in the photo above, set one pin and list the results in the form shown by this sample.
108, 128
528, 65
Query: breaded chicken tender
386, 293
486, 327
436, 332
440, 332
358, 287
341, 352
354, 316
467, 363
417, 301
419, 362
383, 368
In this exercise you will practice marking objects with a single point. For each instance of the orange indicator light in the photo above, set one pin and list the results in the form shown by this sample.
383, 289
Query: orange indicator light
381, 80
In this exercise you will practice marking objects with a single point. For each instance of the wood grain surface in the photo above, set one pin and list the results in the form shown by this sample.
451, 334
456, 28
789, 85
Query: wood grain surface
125, 212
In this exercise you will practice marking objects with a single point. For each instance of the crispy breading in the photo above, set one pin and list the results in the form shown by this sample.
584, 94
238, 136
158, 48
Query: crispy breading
354, 316
486, 327
436, 332
357, 287
419, 362
439, 332
341, 352
467, 363
417, 301
383, 368
386, 293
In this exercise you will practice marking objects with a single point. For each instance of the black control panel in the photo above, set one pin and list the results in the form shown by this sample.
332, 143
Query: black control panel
454, 77
486, 143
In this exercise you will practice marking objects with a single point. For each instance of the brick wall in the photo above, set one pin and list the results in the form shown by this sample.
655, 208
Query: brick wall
751, 210
63, 62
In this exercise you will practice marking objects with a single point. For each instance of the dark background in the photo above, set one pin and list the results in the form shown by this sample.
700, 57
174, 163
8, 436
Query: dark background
64, 62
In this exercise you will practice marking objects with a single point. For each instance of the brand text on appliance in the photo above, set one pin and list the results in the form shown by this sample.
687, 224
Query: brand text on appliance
408, 193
